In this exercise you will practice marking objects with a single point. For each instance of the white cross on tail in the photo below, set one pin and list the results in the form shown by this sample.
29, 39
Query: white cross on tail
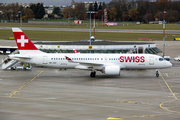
22, 41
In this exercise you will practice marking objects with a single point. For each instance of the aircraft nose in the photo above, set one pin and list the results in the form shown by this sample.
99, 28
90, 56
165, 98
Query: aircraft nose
169, 64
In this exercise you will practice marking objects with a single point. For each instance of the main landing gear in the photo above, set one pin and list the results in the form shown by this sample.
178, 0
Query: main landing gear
93, 74
157, 73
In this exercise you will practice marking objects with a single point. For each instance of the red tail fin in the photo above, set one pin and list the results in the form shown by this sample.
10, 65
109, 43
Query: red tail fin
22, 40
75, 51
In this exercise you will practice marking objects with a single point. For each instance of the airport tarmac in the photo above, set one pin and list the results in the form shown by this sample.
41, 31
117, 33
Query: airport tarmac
52, 94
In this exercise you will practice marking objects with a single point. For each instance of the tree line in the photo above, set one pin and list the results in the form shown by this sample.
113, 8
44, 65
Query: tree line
125, 10
143, 10
117, 10
13, 11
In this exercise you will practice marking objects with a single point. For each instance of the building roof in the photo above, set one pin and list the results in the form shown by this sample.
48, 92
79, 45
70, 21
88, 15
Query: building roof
87, 42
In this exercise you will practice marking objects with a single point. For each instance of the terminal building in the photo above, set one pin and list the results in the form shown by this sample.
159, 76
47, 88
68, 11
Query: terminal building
98, 46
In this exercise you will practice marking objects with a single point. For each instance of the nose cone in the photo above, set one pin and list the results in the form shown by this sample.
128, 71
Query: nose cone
169, 64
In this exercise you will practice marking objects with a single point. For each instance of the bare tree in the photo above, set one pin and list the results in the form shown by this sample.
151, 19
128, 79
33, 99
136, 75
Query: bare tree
80, 11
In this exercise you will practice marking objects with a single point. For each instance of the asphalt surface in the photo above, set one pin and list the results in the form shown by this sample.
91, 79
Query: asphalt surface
97, 30
52, 94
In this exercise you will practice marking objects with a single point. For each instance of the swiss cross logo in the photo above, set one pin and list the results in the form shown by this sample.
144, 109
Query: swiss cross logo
22, 41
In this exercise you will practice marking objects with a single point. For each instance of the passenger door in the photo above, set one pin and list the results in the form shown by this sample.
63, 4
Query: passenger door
151, 60
44, 59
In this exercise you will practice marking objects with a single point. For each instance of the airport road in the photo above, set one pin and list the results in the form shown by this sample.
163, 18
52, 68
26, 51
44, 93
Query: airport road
52, 94
97, 30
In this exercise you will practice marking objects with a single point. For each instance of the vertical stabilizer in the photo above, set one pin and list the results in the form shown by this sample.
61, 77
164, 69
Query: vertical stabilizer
24, 44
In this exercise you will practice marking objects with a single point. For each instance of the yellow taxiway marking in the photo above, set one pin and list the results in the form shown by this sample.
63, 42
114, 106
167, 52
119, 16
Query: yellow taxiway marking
132, 102
168, 86
166, 74
1, 63
172, 74
166, 108
0, 79
14, 92
112, 118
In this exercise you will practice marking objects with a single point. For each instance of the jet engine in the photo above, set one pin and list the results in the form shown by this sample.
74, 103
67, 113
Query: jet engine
111, 70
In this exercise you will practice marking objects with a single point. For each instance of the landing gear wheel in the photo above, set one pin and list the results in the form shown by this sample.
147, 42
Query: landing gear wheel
93, 74
157, 74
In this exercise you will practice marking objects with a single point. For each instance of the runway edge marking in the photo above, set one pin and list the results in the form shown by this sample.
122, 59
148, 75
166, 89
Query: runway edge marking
14, 92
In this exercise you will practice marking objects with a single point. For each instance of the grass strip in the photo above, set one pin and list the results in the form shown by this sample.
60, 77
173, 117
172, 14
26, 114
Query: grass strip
74, 36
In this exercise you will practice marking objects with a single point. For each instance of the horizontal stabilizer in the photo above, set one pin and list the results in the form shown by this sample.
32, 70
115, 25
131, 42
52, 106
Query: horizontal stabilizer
19, 56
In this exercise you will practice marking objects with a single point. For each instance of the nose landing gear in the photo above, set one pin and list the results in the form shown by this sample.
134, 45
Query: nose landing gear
93, 74
157, 73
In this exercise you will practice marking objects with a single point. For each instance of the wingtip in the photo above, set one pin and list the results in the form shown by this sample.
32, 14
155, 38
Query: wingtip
67, 58
16, 30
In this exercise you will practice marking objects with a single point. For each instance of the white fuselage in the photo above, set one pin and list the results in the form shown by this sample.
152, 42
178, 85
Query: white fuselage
125, 61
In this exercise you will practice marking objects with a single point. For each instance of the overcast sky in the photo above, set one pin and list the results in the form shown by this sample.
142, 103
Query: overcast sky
51, 2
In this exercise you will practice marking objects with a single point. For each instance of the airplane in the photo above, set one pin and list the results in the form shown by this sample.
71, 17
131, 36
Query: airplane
109, 64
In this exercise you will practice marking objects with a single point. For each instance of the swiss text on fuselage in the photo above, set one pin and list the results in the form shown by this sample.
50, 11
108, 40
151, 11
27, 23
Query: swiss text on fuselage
132, 59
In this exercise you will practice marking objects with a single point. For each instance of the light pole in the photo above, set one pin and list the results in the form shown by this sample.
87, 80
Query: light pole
20, 12
164, 32
90, 24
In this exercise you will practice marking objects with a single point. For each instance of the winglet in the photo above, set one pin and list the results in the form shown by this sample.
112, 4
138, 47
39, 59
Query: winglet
68, 59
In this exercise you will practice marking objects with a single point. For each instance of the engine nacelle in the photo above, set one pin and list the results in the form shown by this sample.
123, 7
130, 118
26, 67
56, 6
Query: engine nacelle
111, 70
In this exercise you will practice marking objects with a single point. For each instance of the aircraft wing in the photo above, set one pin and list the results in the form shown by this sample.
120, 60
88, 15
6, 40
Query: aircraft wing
83, 63
90, 65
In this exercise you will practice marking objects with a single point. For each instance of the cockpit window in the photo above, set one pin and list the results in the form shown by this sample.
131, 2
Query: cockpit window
161, 59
